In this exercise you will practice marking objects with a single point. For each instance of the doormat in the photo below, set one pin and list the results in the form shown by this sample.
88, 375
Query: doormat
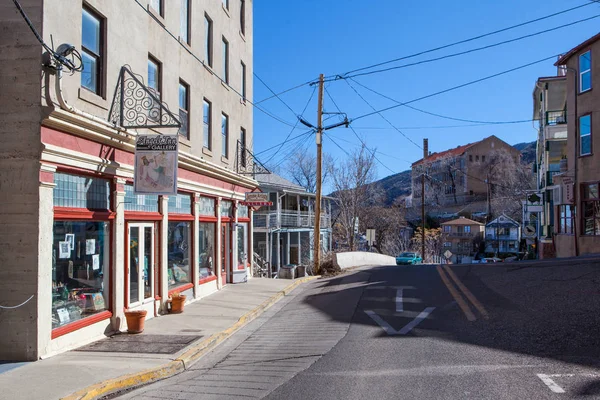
141, 343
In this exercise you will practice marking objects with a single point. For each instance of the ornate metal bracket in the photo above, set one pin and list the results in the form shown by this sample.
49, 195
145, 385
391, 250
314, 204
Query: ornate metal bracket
246, 163
135, 105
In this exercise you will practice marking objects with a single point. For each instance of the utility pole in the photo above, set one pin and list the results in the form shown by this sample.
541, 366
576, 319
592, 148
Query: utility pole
319, 139
425, 154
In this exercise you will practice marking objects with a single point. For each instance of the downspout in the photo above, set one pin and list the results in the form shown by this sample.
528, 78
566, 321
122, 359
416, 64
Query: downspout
65, 106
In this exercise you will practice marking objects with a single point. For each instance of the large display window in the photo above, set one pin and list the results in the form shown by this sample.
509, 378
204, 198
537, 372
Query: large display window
179, 253
206, 249
242, 245
80, 265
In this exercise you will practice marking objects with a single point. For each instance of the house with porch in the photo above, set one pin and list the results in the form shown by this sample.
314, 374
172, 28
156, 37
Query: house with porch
502, 235
284, 232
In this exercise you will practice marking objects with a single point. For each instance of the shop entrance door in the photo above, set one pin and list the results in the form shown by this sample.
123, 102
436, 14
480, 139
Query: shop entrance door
140, 268
225, 251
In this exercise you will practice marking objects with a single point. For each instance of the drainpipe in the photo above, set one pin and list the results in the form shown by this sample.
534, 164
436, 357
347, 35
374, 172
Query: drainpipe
63, 104
575, 147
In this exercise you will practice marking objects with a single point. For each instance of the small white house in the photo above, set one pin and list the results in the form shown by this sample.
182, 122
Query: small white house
502, 235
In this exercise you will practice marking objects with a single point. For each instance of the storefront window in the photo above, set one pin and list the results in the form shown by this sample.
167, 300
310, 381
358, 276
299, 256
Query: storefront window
242, 211
566, 219
591, 209
179, 253
242, 244
206, 246
80, 265
207, 206
226, 208
140, 202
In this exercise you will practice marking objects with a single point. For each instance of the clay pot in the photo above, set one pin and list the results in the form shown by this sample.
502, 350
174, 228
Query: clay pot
135, 320
177, 304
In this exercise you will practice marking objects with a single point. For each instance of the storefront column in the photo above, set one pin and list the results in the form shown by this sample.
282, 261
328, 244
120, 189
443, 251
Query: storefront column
218, 238
234, 239
45, 264
195, 245
118, 269
287, 249
163, 245
278, 251
251, 242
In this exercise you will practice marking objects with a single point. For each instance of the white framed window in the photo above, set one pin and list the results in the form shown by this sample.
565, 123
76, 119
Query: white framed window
585, 71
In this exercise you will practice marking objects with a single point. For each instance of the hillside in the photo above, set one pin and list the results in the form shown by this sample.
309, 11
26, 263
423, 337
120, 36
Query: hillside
398, 185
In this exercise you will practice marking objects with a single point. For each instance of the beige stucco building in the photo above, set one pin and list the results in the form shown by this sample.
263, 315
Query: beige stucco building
78, 245
461, 237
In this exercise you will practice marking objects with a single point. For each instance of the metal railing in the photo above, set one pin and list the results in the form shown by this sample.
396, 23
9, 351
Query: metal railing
289, 219
556, 117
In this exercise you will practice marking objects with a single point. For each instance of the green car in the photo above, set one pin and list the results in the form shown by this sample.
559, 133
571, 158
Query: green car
408, 259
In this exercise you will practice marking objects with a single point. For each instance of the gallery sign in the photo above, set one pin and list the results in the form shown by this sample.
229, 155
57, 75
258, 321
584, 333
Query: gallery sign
257, 200
156, 164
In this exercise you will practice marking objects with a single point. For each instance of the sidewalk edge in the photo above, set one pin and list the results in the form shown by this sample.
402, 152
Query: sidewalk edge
183, 362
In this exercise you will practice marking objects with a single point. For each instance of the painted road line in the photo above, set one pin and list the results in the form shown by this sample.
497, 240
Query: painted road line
467, 292
399, 307
550, 383
386, 327
424, 314
461, 302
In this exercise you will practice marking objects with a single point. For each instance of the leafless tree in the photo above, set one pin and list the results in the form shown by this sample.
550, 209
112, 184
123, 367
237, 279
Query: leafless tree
388, 223
301, 167
433, 243
353, 193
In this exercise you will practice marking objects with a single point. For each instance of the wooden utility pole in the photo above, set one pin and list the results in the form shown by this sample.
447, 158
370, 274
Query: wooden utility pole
317, 232
425, 154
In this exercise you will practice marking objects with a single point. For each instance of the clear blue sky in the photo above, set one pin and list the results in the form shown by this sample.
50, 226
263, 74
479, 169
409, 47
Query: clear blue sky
295, 41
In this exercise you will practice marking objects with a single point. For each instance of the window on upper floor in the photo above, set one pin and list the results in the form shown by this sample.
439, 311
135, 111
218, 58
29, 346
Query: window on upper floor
92, 49
154, 85
477, 158
467, 229
225, 71
566, 216
591, 209
585, 71
585, 134
243, 147
243, 80
243, 17
208, 33
207, 122
158, 6
224, 135
226, 4
184, 21
184, 109
470, 158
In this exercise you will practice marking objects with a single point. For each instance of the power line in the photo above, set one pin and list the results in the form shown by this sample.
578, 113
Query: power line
456, 87
340, 147
294, 149
290, 140
286, 91
466, 51
276, 95
468, 40
478, 123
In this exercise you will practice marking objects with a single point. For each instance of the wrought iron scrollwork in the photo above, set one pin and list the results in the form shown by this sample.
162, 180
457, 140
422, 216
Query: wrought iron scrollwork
246, 163
135, 105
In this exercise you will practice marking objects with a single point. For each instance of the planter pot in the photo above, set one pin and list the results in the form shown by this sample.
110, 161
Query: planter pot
135, 320
177, 304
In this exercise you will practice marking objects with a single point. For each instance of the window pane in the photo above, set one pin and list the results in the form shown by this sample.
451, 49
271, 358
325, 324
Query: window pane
90, 31
153, 75
242, 244
591, 191
89, 75
225, 61
80, 270
179, 253
224, 138
243, 83
208, 40
183, 95
207, 206
585, 61
156, 4
184, 21
226, 4
206, 245
206, 119
586, 81
180, 204
140, 202
586, 144
77, 191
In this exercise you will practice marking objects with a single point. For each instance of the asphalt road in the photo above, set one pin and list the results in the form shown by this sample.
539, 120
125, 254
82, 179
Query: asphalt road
423, 332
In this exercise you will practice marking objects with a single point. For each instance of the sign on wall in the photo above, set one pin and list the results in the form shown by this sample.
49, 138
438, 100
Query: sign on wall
156, 164
257, 200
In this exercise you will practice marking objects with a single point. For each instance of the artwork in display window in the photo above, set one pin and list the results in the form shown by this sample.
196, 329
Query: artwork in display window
206, 245
179, 253
64, 249
90, 246
71, 239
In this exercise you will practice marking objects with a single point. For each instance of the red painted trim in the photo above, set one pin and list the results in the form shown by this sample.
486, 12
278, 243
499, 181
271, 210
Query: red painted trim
207, 279
82, 323
142, 216
181, 288
180, 217
81, 171
204, 218
126, 269
244, 219
46, 176
82, 213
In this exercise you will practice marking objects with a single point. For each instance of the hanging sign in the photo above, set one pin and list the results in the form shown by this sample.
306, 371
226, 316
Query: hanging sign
257, 200
156, 164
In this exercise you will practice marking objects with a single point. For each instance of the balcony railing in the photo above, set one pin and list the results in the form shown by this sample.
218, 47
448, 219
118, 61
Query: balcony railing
460, 234
289, 219
556, 117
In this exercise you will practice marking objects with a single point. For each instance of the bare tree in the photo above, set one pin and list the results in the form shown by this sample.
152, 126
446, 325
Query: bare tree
351, 180
433, 243
388, 223
301, 167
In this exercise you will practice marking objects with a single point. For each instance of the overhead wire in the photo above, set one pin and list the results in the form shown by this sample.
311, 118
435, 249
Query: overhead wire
468, 39
276, 95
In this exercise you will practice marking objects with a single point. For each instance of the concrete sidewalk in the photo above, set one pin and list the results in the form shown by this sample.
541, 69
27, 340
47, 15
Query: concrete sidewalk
89, 375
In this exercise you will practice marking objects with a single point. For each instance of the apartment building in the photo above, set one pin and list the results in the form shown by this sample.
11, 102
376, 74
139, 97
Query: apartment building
461, 237
79, 245
577, 204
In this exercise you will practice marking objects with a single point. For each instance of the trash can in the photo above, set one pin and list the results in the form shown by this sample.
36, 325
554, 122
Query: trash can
300, 271
287, 271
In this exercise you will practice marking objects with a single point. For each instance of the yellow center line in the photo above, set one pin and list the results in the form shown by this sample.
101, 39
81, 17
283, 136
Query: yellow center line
467, 292
459, 300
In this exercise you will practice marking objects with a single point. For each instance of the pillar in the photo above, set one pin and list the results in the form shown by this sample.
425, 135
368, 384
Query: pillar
218, 245
118, 268
195, 246
164, 256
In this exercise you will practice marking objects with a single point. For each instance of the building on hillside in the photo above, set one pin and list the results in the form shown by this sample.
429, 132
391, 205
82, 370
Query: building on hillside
461, 237
550, 110
577, 199
284, 232
455, 177
502, 236
78, 241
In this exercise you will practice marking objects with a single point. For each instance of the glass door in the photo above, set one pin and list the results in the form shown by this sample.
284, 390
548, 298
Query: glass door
225, 250
140, 270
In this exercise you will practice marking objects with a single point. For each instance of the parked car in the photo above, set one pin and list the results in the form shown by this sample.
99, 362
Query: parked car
491, 260
408, 259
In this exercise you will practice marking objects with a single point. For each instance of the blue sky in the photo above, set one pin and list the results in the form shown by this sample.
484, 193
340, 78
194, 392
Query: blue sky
295, 41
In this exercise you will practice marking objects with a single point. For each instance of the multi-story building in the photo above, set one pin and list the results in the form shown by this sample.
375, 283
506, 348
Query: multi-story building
461, 237
550, 110
284, 232
79, 246
577, 204
456, 177
502, 236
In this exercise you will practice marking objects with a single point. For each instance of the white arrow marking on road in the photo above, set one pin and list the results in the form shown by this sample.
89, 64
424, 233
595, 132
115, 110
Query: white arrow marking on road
550, 383
391, 331
399, 307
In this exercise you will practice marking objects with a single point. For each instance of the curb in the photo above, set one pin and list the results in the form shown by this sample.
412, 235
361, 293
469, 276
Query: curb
185, 360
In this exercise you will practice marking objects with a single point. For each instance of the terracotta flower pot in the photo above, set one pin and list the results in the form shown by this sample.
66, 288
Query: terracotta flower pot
135, 320
177, 303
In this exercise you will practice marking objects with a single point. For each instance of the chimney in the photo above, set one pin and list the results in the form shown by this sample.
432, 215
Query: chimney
425, 148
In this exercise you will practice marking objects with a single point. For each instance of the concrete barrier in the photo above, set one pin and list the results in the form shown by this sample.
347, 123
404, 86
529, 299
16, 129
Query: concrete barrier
360, 258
